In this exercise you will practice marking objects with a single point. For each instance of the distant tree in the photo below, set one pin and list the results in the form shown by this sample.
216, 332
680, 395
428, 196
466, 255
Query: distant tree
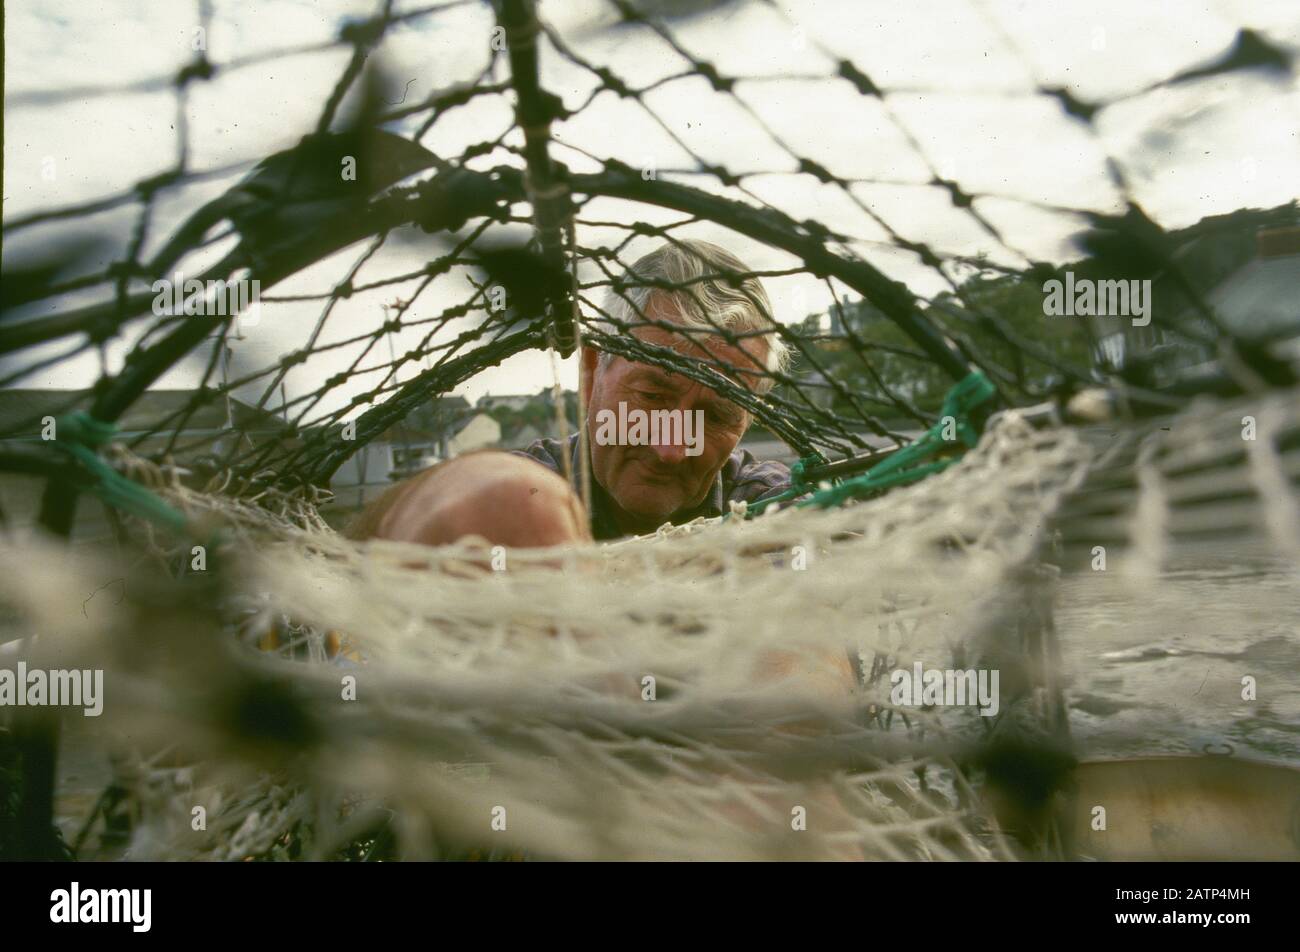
998, 317
538, 413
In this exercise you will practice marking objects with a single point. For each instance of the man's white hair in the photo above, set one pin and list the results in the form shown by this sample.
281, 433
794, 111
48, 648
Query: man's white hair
712, 289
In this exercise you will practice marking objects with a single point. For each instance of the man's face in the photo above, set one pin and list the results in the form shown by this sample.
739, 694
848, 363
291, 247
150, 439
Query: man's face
650, 483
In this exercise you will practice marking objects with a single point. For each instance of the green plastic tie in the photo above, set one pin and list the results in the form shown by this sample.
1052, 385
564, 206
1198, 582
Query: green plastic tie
799, 485
81, 435
905, 465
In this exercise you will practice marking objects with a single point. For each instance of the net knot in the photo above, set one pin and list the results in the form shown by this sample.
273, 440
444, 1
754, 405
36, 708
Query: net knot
81, 434
81, 427
800, 467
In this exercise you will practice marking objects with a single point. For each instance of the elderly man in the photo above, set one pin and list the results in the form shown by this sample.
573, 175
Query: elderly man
640, 480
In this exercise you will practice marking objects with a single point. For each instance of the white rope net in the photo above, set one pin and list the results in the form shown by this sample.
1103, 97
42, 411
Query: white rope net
667, 697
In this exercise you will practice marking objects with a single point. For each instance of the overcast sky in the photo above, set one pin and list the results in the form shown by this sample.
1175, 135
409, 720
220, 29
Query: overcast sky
965, 71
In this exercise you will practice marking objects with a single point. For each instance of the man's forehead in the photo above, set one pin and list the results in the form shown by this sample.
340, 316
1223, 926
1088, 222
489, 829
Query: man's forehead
736, 361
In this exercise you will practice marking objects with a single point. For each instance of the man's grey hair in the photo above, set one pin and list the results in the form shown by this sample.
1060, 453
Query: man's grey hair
709, 293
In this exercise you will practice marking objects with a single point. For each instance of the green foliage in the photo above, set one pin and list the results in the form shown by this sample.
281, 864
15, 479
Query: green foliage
994, 315
539, 413
999, 318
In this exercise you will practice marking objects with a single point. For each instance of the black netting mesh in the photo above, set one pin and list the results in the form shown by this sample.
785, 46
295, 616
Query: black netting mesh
515, 257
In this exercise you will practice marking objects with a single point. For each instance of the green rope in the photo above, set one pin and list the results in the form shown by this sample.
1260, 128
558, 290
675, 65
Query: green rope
908, 464
799, 485
81, 435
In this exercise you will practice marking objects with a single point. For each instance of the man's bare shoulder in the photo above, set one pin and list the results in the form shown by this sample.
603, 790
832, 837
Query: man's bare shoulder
487, 493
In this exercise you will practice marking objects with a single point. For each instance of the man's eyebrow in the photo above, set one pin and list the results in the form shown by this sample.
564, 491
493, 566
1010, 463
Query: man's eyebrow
652, 375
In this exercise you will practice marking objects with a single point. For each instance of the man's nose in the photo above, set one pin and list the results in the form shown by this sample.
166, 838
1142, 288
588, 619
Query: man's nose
669, 453
670, 448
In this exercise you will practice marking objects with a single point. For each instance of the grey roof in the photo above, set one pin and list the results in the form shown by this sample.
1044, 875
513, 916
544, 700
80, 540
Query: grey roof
490, 400
23, 408
163, 409
1262, 298
523, 436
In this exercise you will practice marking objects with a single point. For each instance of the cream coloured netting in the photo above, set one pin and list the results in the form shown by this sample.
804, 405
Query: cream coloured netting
524, 688
521, 690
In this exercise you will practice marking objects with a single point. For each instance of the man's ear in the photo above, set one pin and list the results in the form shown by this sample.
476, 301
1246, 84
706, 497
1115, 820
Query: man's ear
587, 372
749, 421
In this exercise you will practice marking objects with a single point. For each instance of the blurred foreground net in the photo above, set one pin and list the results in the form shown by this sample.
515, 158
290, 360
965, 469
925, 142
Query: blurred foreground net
519, 696
524, 690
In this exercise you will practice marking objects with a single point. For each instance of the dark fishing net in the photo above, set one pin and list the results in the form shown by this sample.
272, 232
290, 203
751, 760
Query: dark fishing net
381, 290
